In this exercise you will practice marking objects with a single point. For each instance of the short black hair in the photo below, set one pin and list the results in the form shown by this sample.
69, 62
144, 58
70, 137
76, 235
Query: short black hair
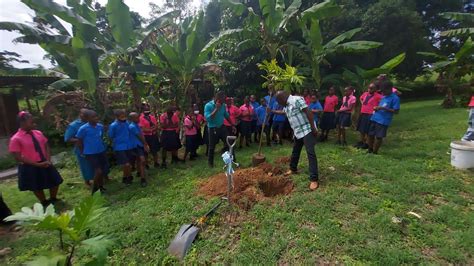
385, 85
119, 112
220, 94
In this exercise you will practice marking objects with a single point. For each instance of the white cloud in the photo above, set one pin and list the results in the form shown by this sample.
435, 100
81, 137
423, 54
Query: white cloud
16, 11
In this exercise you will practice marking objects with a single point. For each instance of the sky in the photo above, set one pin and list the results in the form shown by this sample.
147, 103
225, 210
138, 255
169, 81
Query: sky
16, 11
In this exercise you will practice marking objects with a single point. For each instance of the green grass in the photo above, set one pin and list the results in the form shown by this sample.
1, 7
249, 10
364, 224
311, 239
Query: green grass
348, 220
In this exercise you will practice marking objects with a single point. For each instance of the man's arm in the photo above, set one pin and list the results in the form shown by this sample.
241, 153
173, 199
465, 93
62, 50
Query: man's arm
310, 116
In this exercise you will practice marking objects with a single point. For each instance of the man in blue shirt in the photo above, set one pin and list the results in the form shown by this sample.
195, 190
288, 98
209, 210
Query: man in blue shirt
262, 118
119, 133
278, 122
215, 112
91, 145
383, 115
85, 167
255, 105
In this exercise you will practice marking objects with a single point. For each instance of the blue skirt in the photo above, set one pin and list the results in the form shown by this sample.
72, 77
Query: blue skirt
328, 121
87, 171
34, 178
344, 119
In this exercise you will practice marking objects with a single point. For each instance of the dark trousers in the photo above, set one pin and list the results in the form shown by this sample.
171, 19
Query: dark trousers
216, 134
308, 142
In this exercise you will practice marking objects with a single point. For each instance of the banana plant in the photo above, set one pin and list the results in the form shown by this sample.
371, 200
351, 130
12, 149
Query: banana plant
359, 77
181, 57
77, 53
269, 29
314, 51
74, 229
452, 69
465, 19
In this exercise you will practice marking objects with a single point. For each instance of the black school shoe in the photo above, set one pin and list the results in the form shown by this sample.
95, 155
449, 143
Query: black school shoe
364, 146
359, 145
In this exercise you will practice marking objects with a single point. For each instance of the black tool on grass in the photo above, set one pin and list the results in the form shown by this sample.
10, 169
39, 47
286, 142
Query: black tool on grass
187, 233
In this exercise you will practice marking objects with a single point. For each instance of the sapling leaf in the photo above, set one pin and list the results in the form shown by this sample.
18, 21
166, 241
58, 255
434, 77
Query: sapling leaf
99, 247
53, 259
87, 212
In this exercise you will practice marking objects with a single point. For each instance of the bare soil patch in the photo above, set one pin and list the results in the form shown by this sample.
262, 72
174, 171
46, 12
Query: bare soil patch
251, 185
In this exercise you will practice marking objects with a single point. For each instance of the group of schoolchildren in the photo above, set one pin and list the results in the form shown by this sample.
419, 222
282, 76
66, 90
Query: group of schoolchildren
134, 137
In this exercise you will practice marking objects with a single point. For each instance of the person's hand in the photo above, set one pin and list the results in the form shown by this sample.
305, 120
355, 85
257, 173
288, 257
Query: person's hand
147, 148
218, 105
268, 110
376, 108
44, 164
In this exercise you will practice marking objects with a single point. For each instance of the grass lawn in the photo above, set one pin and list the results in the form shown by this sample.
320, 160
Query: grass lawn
348, 220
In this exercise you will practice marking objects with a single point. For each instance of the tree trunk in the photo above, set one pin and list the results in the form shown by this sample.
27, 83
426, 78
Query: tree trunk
449, 100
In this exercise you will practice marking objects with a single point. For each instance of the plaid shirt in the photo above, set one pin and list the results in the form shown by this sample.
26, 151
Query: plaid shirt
297, 117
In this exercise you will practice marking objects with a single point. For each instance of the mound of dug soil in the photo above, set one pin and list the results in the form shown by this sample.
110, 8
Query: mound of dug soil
250, 185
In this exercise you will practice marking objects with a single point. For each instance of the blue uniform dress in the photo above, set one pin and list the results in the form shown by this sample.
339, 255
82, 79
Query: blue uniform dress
86, 168
381, 119
278, 120
316, 106
255, 105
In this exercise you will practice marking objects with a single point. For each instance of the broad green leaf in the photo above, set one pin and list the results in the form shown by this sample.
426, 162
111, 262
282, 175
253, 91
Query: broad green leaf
53, 259
342, 37
394, 62
53, 8
442, 64
88, 211
120, 21
86, 63
462, 17
457, 32
357, 46
65, 84
324, 10
53, 21
99, 247
467, 49
433, 55
290, 12
163, 20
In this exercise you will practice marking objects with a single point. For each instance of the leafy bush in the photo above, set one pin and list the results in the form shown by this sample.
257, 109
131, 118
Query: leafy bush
74, 229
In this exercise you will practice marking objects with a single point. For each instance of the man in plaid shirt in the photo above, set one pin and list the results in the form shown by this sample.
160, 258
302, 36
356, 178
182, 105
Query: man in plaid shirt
305, 133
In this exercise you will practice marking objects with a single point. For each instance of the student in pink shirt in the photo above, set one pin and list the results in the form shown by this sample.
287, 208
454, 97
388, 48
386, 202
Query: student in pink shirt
328, 120
149, 126
169, 136
35, 171
234, 114
344, 114
191, 126
246, 114
368, 100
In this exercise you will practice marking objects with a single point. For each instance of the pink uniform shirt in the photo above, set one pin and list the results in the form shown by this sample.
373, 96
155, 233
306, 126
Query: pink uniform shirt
348, 103
174, 120
471, 103
307, 99
330, 103
200, 118
249, 110
189, 131
146, 126
234, 112
368, 105
22, 142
